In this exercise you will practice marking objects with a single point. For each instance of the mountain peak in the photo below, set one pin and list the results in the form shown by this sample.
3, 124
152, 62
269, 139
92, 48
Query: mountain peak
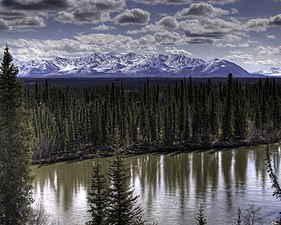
131, 63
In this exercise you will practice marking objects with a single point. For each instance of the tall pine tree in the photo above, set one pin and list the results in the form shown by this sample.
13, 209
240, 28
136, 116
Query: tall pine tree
98, 197
16, 138
122, 204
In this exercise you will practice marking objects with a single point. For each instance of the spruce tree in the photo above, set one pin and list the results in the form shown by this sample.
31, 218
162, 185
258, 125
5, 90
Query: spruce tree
16, 139
97, 197
122, 208
227, 126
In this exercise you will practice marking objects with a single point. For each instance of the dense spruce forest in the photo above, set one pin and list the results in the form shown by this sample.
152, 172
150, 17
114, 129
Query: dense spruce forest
73, 120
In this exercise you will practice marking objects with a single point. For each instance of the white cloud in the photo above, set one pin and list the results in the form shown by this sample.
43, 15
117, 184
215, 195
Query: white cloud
268, 50
239, 57
167, 38
175, 51
133, 16
168, 22
271, 36
202, 9
262, 24
103, 27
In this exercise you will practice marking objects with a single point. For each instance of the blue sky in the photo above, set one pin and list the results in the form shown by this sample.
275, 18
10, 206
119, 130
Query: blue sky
246, 32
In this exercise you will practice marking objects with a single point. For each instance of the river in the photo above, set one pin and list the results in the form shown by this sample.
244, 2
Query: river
171, 186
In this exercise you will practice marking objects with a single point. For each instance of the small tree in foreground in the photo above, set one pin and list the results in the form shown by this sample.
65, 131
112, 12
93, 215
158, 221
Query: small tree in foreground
97, 197
122, 208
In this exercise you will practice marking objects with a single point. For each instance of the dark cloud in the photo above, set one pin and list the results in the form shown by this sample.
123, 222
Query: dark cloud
275, 20
200, 41
82, 17
4, 25
153, 2
214, 34
133, 16
90, 11
31, 5
168, 22
21, 19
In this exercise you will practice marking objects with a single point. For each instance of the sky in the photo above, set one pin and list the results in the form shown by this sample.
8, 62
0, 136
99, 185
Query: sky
246, 32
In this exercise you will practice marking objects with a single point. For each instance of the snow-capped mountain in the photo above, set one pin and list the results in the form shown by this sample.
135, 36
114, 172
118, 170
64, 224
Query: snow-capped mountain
130, 64
270, 72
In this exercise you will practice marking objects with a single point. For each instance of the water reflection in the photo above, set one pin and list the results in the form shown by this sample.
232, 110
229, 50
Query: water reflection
171, 186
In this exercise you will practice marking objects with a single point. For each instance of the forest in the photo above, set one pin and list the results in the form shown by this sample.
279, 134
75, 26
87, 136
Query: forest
73, 121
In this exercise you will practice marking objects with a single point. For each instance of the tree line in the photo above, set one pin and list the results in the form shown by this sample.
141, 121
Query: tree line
70, 120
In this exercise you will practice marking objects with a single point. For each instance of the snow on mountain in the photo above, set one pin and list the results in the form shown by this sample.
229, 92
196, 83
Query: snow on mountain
270, 72
131, 64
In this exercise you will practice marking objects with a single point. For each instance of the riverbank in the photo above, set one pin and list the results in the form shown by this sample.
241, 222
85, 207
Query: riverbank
143, 148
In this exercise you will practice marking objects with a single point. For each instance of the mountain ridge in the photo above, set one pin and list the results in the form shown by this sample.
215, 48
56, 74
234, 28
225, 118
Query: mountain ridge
130, 65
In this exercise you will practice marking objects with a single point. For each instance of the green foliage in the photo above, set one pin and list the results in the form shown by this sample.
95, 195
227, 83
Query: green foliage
122, 209
227, 126
98, 197
77, 120
16, 139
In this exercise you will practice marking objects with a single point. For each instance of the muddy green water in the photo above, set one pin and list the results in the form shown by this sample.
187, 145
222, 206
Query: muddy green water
170, 186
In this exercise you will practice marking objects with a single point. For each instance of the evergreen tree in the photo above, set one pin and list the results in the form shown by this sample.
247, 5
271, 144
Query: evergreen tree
15, 147
122, 208
97, 197
227, 126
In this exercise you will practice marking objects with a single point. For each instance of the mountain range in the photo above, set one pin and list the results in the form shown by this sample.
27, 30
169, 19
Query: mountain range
131, 65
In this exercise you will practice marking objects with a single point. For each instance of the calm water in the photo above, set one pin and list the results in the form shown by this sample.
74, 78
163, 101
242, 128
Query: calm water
171, 187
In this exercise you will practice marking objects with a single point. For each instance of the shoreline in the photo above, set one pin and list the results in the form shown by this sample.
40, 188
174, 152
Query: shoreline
139, 149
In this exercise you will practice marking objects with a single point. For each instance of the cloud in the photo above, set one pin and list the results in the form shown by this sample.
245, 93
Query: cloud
271, 36
31, 5
199, 41
215, 28
168, 22
148, 28
227, 45
103, 27
90, 11
239, 57
79, 45
147, 40
203, 9
64, 11
167, 38
82, 17
133, 16
175, 2
21, 19
4, 25
175, 51
268, 50
262, 24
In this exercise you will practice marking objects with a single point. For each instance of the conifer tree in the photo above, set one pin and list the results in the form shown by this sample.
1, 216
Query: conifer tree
227, 126
15, 147
97, 197
122, 208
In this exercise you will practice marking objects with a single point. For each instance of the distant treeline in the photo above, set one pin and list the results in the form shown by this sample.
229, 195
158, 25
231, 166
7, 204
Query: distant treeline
71, 120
